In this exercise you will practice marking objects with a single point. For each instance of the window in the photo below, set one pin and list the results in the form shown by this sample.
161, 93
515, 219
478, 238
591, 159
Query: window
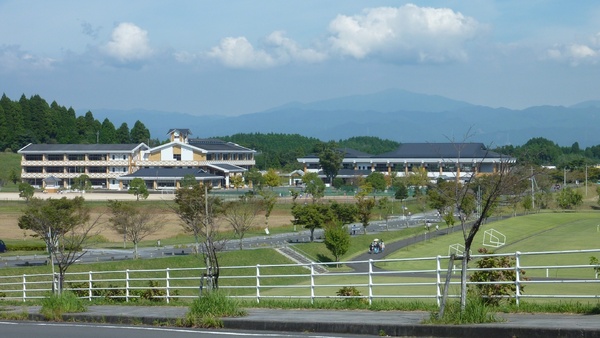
76, 157
177, 157
33, 157
54, 157
97, 170
97, 157
54, 170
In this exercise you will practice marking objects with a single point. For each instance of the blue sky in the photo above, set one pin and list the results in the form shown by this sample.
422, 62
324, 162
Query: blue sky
236, 57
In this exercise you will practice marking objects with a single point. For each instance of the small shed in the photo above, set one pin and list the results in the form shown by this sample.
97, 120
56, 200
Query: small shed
51, 184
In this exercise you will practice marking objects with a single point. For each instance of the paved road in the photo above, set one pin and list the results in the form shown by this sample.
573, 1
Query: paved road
355, 322
273, 240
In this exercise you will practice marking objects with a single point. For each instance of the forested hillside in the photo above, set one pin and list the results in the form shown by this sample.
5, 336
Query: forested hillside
282, 150
33, 120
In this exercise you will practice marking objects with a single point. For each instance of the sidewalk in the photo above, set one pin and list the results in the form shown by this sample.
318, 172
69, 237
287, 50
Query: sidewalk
391, 323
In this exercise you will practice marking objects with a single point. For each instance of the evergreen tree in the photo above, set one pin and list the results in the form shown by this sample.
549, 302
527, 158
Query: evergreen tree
139, 133
15, 137
122, 134
108, 134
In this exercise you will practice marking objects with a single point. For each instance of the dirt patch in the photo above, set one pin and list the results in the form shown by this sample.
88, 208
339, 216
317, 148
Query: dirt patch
9, 221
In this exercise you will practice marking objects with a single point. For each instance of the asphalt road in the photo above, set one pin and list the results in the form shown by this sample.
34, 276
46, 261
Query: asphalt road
274, 240
77, 330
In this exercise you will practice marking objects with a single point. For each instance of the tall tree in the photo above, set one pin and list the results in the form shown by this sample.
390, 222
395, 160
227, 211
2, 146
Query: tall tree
377, 181
241, 215
122, 134
66, 227
272, 179
268, 203
330, 159
198, 213
365, 205
108, 133
137, 187
82, 183
133, 223
16, 136
312, 216
336, 240
139, 133
314, 186
502, 182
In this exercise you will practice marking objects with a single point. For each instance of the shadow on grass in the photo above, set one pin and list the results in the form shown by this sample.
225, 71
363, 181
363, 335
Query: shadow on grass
324, 259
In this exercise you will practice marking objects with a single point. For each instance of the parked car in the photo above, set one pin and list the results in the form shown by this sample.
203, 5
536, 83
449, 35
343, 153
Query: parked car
2, 246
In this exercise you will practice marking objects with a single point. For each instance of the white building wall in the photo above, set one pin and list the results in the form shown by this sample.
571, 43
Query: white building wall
187, 154
166, 154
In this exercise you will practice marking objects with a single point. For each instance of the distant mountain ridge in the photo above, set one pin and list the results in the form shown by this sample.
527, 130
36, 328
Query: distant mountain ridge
392, 114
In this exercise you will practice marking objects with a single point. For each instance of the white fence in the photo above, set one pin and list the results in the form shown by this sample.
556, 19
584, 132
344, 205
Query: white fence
552, 275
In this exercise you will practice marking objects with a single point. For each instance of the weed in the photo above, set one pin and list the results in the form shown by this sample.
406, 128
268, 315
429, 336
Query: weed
206, 310
54, 306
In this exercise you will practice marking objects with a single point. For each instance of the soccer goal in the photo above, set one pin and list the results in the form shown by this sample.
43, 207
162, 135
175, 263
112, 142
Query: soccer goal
456, 249
493, 238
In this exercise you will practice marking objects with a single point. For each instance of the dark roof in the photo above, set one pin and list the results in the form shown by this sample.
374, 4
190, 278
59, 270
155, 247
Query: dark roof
348, 153
70, 148
170, 173
52, 180
345, 173
227, 167
440, 150
213, 144
181, 130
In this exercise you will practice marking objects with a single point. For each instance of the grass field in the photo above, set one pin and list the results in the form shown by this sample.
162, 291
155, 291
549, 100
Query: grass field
553, 231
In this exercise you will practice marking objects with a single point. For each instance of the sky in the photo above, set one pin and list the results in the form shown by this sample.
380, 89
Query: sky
238, 56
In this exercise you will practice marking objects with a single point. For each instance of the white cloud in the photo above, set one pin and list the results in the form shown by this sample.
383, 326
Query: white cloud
239, 53
12, 58
576, 53
409, 32
277, 50
128, 43
287, 48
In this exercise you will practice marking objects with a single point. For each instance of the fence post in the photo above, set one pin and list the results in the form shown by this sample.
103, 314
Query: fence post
90, 286
312, 283
370, 281
517, 277
258, 283
127, 285
25, 287
438, 282
168, 284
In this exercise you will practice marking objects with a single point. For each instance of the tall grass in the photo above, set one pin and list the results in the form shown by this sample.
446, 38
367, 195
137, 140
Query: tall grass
206, 310
54, 306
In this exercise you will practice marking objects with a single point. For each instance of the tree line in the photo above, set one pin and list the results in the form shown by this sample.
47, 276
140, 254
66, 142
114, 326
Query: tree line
33, 120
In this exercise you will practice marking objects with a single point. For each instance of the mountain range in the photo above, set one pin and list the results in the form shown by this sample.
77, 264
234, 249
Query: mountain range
392, 114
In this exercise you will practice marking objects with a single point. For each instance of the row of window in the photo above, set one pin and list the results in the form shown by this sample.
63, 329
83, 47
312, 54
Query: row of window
230, 157
74, 157
77, 169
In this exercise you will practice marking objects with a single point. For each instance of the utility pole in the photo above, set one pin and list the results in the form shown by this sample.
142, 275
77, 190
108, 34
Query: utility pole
532, 190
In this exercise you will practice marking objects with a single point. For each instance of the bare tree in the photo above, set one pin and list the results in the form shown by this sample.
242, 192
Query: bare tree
133, 223
241, 215
66, 227
198, 213
482, 194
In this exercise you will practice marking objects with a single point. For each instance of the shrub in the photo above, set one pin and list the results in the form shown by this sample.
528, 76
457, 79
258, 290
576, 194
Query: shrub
153, 293
492, 294
352, 294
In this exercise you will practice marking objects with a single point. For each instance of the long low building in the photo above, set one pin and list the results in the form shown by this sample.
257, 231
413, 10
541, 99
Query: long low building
112, 166
446, 160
